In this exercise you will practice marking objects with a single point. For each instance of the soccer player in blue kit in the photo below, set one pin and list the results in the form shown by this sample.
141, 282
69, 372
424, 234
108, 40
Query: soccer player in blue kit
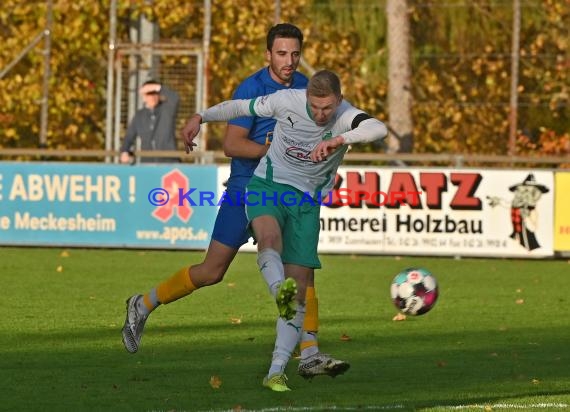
246, 141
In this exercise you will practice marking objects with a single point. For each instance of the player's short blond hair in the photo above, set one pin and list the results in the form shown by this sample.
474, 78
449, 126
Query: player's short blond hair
324, 83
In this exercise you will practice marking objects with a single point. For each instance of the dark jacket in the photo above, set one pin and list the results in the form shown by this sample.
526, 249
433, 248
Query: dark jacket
155, 127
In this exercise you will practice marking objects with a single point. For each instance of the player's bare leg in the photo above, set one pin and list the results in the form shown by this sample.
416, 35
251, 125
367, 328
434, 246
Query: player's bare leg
215, 265
182, 283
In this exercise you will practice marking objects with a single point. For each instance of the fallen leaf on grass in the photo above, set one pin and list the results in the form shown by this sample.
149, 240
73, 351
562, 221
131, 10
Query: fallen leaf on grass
345, 337
64, 254
215, 382
59, 269
519, 301
231, 284
441, 364
535, 381
399, 317
235, 321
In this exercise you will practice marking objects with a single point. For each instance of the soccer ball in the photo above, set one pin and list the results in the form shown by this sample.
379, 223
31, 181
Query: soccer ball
414, 291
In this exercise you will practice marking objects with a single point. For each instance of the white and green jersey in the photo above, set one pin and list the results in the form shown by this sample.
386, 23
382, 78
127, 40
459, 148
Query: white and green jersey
296, 134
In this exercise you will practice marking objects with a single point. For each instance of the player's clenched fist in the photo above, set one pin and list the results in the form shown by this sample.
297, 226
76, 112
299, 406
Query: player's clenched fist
190, 131
326, 147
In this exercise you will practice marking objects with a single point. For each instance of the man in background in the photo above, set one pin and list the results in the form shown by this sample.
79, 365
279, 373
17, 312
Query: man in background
154, 124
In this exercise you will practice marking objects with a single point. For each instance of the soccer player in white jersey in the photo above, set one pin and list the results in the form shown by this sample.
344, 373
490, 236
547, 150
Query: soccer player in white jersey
246, 141
313, 130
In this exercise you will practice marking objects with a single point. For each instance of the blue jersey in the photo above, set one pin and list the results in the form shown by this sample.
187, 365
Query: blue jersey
260, 129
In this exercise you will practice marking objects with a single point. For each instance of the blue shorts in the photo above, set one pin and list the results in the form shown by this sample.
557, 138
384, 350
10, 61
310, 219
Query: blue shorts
230, 228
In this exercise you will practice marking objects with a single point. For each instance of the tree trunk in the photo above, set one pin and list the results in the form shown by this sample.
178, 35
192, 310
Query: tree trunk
515, 56
399, 78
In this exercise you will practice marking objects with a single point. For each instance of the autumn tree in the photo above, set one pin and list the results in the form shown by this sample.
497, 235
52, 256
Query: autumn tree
460, 64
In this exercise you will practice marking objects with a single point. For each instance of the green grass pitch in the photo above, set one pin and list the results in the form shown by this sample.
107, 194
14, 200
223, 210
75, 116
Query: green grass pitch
497, 339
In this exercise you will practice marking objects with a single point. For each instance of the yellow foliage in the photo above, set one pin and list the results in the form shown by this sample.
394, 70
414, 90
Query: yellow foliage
460, 83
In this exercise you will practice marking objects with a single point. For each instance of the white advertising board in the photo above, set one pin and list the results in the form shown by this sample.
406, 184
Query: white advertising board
441, 212
454, 212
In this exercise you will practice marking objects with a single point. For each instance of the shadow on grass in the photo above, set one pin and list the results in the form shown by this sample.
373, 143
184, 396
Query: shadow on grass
179, 366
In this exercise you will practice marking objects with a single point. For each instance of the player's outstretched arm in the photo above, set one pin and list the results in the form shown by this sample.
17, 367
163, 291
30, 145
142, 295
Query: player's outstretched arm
365, 129
227, 110
238, 144
190, 131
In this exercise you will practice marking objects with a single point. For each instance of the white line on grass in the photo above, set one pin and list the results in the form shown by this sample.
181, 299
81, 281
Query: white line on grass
488, 406
509, 406
313, 408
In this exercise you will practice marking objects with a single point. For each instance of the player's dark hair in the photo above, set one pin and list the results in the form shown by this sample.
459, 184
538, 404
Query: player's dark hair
284, 30
324, 83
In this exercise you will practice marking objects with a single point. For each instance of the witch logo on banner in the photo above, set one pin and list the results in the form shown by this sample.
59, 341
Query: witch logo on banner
524, 216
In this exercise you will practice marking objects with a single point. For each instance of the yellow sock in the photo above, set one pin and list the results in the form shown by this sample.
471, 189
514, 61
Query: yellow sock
310, 293
309, 344
178, 286
311, 322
